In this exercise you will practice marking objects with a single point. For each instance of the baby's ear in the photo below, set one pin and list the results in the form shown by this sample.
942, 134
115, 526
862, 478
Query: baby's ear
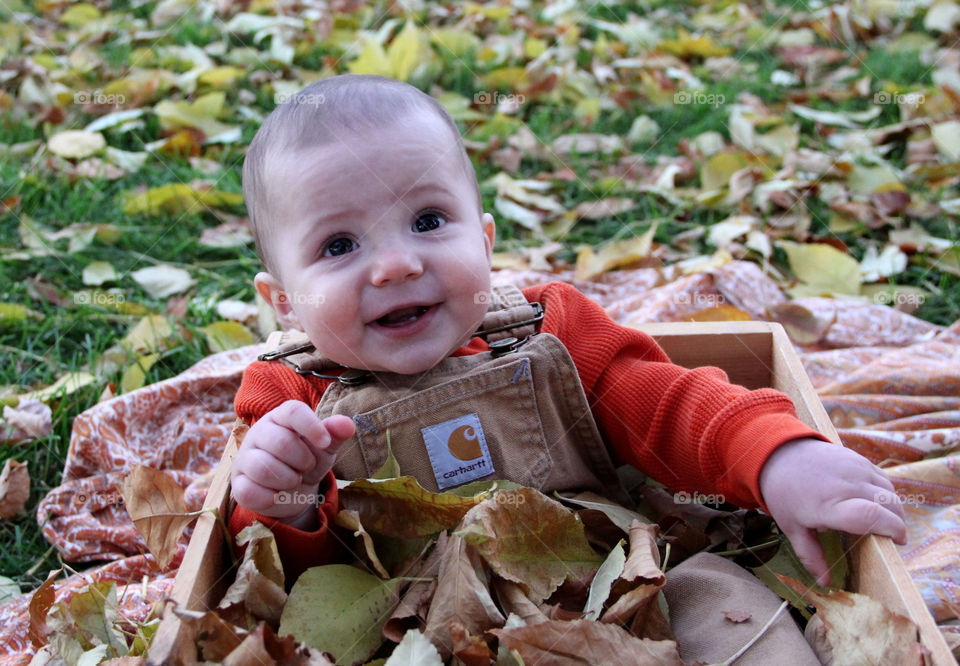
489, 232
272, 292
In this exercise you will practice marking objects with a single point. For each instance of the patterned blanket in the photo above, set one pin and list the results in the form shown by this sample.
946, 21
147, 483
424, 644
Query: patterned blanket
889, 381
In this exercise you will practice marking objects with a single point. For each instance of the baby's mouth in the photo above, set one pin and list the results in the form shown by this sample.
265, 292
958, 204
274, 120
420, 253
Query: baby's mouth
403, 316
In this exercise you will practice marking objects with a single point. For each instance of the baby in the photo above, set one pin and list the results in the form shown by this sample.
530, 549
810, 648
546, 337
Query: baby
368, 220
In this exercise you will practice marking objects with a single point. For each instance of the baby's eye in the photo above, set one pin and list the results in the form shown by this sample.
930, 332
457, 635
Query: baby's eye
428, 222
338, 246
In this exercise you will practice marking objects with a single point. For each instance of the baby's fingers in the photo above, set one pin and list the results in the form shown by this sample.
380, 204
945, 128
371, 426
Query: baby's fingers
336, 430
808, 549
863, 516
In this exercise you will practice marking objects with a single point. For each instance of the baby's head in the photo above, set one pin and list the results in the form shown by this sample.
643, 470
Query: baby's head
367, 217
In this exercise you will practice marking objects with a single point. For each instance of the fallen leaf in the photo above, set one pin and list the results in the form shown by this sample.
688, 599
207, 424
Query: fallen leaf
946, 136
258, 585
163, 280
462, 596
40, 603
860, 630
608, 572
65, 385
591, 263
97, 272
586, 642
30, 419
152, 333
402, 508
873, 266
9, 589
414, 650
355, 605
351, 520
76, 144
156, 506
737, 616
530, 539
823, 267
224, 335
14, 488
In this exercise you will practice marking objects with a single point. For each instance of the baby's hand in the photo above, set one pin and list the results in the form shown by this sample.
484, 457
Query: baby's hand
810, 485
282, 460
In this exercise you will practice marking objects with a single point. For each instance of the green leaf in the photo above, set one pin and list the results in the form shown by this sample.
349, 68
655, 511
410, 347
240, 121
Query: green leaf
390, 468
403, 508
341, 610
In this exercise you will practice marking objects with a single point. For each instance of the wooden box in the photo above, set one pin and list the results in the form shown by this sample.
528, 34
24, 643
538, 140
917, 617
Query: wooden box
754, 354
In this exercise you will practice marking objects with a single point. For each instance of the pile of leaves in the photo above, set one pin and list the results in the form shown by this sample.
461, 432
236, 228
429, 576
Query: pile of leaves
497, 573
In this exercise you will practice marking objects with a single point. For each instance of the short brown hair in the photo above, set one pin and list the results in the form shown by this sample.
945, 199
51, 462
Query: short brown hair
315, 116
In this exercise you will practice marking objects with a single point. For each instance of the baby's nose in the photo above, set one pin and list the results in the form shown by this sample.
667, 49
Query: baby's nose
395, 264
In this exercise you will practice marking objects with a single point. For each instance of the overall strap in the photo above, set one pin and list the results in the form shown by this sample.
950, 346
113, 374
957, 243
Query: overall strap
509, 314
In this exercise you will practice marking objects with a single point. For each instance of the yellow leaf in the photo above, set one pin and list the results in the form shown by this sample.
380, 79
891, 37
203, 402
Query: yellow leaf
67, 384
151, 333
201, 113
458, 42
406, 52
493, 12
224, 335
176, 198
11, 313
136, 374
722, 312
221, 78
687, 45
80, 14
823, 267
514, 78
156, 506
717, 170
612, 255
76, 144
372, 59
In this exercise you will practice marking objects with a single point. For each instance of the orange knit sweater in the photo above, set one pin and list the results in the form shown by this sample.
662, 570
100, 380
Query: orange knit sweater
689, 429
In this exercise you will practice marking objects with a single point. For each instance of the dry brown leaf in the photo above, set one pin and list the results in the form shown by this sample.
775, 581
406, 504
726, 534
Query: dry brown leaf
40, 604
351, 520
470, 649
263, 646
216, 638
14, 488
860, 630
531, 539
412, 610
463, 596
737, 616
585, 642
513, 601
259, 582
156, 506
31, 419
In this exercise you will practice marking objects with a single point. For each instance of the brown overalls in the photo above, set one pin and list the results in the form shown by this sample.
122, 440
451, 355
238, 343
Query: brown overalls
517, 412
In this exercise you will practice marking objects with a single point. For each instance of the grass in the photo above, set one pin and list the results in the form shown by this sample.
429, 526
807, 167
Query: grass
68, 337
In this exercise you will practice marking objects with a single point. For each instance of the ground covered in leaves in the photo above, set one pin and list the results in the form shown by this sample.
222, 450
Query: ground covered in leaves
821, 141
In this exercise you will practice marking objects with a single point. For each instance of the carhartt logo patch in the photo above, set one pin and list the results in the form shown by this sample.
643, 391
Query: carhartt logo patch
458, 451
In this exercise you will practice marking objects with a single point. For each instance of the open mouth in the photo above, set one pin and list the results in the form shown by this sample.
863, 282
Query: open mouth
403, 316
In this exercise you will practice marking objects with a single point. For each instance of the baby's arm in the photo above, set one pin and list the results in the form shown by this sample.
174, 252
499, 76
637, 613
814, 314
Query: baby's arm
283, 458
810, 485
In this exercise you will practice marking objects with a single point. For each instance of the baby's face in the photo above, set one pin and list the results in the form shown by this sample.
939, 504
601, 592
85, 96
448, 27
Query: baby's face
383, 255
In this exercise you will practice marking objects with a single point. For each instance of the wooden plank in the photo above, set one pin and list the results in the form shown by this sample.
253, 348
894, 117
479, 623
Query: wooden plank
203, 576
